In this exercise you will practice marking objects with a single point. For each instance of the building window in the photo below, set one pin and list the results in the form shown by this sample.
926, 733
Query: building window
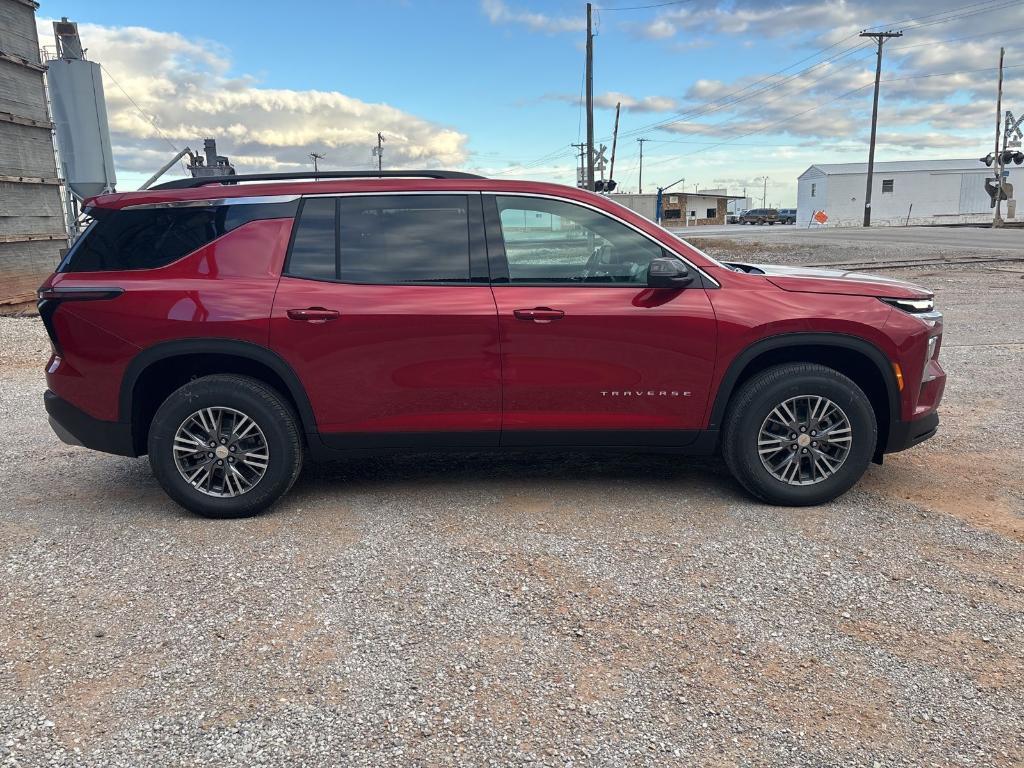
814, 190
712, 212
693, 214
887, 186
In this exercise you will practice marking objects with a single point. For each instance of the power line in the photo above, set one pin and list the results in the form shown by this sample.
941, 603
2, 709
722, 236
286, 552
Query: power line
947, 74
739, 95
957, 39
950, 14
150, 120
720, 104
790, 118
706, 109
640, 7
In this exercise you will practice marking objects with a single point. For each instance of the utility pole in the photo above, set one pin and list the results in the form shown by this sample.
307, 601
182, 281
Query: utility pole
615, 141
590, 100
764, 193
641, 184
880, 38
997, 220
316, 156
379, 151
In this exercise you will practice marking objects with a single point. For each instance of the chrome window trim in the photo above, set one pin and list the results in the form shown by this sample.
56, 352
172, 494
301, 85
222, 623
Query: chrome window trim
380, 193
217, 201
541, 195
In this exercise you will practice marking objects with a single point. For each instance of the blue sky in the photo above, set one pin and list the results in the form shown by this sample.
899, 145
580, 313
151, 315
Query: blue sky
494, 85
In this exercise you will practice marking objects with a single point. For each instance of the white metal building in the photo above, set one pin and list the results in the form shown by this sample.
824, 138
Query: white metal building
904, 191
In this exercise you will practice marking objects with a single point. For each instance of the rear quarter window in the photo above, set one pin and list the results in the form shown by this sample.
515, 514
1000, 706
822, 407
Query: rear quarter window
147, 238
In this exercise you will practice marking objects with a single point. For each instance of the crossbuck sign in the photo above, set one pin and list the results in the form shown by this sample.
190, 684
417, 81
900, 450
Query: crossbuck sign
1012, 133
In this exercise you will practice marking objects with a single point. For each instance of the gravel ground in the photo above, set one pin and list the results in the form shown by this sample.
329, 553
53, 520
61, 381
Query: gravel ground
535, 610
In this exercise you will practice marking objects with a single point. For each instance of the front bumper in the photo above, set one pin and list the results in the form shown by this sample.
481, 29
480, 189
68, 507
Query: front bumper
906, 434
75, 427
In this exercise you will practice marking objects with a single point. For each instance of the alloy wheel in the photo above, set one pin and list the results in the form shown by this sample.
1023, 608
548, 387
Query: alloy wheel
805, 440
221, 452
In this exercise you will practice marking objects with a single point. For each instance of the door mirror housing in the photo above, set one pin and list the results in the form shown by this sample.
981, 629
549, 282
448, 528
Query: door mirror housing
668, 273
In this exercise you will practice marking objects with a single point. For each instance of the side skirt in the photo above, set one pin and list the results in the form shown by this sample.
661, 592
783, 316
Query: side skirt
328, 446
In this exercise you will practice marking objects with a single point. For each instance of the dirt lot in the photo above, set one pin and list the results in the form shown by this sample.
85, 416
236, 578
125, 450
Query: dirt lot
496, 609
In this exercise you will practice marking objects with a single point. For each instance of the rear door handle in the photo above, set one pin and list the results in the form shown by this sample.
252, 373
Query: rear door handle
313, 315
539, 314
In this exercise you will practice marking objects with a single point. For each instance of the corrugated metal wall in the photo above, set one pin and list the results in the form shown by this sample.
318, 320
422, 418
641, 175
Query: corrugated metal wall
32, 231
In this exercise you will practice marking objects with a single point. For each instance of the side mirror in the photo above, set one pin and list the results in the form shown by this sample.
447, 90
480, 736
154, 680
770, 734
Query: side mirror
668, 273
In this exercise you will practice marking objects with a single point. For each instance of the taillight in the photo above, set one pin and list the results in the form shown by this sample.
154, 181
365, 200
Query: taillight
50, 298
78, 293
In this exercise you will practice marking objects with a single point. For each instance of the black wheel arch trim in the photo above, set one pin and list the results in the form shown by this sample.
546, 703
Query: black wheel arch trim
234, 347
798, 339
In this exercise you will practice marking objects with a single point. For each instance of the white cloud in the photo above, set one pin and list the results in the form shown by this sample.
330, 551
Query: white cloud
634, 103
185, 87
658, 29
499, 12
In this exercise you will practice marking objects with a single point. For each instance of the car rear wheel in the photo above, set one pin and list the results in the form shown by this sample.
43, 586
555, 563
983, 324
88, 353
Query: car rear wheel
225, 446
799, 434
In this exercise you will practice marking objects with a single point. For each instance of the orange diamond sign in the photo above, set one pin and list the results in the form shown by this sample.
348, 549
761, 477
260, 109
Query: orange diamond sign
821, 217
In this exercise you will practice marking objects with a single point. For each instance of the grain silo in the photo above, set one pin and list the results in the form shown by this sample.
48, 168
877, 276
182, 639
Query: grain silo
32, 225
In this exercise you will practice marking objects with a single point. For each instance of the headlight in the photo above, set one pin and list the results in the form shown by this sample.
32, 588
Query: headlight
913, 306
933, 342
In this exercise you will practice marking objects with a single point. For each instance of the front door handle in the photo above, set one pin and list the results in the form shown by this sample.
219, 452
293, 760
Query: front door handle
313, 315
539, 314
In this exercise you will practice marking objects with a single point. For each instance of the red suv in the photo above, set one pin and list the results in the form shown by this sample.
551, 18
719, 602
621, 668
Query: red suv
230, 329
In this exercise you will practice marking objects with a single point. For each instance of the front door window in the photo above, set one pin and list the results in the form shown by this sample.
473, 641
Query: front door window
549, 242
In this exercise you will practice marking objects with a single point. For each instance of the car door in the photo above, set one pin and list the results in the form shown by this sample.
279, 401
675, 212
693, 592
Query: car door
385, 313
589, 353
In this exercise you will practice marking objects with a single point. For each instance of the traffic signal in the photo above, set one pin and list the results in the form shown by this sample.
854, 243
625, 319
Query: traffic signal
602, 185
1007, 156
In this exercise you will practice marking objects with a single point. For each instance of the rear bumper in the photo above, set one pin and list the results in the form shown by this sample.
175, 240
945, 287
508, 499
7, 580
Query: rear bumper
906, 434
75, 427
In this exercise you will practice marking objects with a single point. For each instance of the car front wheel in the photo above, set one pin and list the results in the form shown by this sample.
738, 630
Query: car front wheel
799, 434
225, 446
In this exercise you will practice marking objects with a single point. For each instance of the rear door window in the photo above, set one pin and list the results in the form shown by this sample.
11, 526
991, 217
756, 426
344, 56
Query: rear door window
404, 239
314, 247
383, 239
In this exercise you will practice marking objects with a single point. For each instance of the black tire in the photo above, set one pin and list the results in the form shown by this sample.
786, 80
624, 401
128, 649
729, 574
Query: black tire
756, 399
259, 402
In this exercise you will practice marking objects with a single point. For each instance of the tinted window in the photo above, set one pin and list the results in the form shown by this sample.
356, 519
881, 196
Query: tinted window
390, 239
147, 238
548, 241
314, 246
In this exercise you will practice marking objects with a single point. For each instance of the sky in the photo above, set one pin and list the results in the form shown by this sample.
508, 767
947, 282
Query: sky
727, 93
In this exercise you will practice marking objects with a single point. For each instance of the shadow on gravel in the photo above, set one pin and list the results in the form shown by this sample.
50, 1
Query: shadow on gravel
649, 471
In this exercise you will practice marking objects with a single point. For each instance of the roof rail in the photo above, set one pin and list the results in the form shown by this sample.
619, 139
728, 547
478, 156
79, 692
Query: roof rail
203, 181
